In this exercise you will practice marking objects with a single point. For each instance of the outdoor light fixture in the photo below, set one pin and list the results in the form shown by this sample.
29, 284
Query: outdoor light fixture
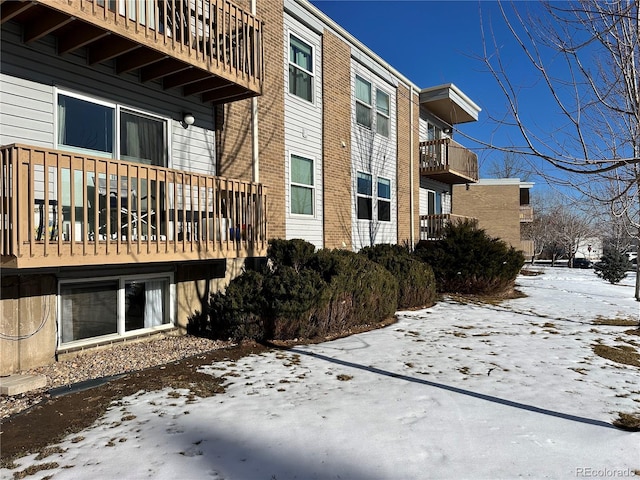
447, 130
188, 119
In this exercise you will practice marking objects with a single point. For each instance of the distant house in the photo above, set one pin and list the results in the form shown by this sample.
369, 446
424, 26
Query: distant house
502, 206
150, 149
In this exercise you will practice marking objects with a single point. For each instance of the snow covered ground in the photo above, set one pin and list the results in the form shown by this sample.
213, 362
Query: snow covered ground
453, 391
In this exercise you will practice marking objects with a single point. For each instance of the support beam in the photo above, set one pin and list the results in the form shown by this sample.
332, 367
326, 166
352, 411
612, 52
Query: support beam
204, 86
137, 59
8, 10
184, 78
110, 47
80, 36
162, 69
43, 26
226, 94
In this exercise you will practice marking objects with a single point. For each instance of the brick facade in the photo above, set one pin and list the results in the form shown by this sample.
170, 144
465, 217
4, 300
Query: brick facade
406, 190
497, 208
233, 124
336, 84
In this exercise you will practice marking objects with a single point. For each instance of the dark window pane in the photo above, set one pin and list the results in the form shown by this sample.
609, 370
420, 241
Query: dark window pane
364, 184
364, 208
384, 211
300, 83
89, 310
83, 124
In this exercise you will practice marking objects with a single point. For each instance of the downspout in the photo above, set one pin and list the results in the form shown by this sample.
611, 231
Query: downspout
254, 125
411, 160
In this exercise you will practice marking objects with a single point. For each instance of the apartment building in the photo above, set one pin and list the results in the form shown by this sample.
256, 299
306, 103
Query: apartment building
502, 207
150, 149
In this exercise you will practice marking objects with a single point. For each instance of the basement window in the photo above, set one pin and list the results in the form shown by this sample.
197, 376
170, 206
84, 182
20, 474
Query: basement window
93, 310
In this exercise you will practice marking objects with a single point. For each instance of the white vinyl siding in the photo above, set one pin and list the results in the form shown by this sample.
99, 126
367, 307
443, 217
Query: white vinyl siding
374, 154
303, 137
26, 112
27, 99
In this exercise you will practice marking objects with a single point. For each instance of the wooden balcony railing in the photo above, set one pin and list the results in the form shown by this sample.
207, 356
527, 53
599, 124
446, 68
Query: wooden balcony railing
60, 208
162, 39
526, 213
448, 161
432, 226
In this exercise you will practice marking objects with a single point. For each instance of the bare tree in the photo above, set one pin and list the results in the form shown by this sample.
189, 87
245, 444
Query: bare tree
511, 165
585, 56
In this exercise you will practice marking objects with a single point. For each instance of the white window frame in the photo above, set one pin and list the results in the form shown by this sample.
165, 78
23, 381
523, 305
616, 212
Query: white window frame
368, 196
311, 187
380, 113
383, 199
118, 108
120, 322
291, 64
368, 106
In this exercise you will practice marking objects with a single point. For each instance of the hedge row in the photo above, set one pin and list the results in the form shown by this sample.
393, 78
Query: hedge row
303, 293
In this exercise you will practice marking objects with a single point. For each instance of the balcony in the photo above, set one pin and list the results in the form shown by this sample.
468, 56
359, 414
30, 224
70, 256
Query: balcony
210, 48
61, 209
526, 213
432, 226
447, 161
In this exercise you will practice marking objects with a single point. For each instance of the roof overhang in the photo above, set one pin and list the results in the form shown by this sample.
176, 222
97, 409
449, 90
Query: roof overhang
449, 103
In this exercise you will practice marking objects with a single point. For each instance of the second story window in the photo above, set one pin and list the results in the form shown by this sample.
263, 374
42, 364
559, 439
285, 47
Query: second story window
300, 68
363, 102
111, 130
382, 113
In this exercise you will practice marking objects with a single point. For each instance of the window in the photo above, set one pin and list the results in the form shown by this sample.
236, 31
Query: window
384, 199
111, 130
365, 193
116, 306
301, 185
434, 202
86, 125
363, 102
300, 68
382, 113
141, 138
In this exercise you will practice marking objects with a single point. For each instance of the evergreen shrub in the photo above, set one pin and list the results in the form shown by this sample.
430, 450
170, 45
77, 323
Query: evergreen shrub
301, 294
416, 281
613, 266
466, 260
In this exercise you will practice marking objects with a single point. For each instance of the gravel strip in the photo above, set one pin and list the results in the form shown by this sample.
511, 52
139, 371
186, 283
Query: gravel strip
113, 360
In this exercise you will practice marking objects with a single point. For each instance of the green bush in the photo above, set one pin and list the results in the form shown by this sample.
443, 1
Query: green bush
305, 294
290, 253
416, 281
466, 260
613, 266
361, 291
236, 312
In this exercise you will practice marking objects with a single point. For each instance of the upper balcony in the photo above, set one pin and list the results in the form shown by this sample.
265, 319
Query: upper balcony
210, 48
448, 162
61, 209
526, 213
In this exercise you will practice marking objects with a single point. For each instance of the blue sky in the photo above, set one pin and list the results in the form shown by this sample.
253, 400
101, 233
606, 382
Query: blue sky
437, 42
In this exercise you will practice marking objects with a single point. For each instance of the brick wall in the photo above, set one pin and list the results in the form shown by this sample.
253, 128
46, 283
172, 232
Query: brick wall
233, 122
336, 84
405, 188
497, 208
